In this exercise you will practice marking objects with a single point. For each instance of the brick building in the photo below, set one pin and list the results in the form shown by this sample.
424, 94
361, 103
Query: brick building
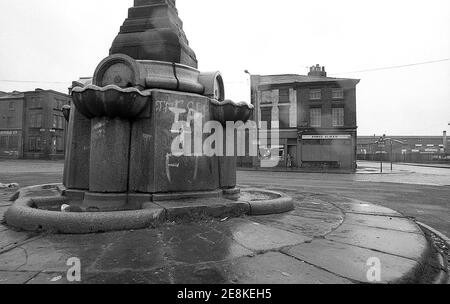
405, 148
315, 115
32, 124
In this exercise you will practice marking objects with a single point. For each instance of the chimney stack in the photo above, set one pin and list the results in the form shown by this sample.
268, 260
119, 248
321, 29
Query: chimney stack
317, 71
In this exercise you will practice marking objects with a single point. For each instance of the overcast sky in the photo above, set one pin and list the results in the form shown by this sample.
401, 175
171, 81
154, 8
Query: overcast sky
59, 40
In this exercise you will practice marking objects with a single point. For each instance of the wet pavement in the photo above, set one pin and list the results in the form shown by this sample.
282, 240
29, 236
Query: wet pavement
324, 240
328, 238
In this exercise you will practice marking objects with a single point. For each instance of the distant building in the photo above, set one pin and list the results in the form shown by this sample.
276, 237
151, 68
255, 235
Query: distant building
32, 124
315, 115
405, 148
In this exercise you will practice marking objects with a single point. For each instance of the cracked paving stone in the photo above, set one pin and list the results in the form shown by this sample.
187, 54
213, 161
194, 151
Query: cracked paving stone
15, 277
10, 237
258, 237
50, 253
199, 243
298, 224
277, 268
351, 261
408, 245
383, 222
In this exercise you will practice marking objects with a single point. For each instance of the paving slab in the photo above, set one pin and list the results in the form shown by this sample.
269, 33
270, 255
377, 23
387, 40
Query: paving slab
51, 253
15, 277
311, 227
200, 243
408, 245
2, 212
383, 222
352, 262
10, 237
258, 237
318, 204
365, 208
277, 267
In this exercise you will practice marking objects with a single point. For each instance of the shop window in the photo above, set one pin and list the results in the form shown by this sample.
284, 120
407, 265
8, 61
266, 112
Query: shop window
3, 142
315, 94
14, 142
316, 117
34, 144
338, 117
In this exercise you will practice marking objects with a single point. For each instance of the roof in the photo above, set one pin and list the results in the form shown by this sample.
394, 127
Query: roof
294, 78
12, 95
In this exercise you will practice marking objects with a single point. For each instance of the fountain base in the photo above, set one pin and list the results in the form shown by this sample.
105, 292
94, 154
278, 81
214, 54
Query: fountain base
31, 212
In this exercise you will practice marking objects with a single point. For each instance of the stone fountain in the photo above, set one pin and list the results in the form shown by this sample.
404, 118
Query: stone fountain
121, 171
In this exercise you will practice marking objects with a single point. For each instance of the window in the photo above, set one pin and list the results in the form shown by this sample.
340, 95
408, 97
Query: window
10, 122
284, 96
338, 117
316, 117
284, 117
35, 120
59, 144
59, 103
266, 115
35, 103
12, 106
34, 144
338, 94
315, 94
3, 144
266, 97
14, 142
58, 122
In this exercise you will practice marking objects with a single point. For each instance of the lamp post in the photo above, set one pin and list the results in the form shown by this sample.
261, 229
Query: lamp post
251, 86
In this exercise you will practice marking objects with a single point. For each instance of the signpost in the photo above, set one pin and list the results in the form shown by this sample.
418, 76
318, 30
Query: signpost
382, 145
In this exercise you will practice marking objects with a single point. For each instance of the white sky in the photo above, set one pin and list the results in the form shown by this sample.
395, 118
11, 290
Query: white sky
60, 40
